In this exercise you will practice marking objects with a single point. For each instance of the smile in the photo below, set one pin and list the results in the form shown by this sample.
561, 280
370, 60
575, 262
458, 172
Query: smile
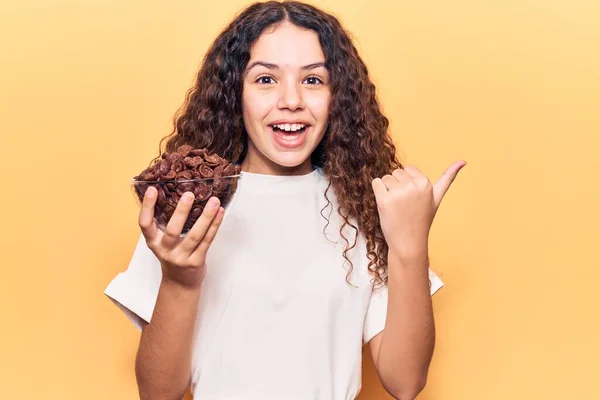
290, 136
289, 128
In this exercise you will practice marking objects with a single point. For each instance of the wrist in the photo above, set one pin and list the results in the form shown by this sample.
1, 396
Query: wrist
409, 272
416, 257
177, 286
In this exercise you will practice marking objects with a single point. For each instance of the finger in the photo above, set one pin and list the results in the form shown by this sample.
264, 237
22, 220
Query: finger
379, 188
195, 235
177, 221
391, 182
418, 178
443, 184
414, 172
146, 217
401, 175
199, 255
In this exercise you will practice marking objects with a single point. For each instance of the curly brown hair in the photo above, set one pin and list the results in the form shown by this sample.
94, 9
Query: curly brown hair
356, 147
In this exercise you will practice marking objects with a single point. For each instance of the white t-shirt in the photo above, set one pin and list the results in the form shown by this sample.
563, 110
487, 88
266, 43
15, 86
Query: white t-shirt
277, 318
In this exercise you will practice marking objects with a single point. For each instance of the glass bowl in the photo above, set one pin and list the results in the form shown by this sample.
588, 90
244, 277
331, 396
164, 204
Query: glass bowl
170, 191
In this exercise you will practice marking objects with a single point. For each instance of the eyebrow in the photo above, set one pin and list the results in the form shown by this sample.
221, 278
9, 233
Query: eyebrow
275, 66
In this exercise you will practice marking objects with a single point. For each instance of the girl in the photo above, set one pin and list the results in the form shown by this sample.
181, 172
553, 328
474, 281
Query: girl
323, 247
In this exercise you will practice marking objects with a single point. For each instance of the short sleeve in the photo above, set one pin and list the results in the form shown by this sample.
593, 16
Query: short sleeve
135, 290
377, 310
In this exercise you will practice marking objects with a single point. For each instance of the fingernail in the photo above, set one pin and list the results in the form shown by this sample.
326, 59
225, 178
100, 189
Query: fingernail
212, 202
189, 197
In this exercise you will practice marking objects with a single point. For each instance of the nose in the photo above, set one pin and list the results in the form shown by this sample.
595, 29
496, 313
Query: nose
290, 97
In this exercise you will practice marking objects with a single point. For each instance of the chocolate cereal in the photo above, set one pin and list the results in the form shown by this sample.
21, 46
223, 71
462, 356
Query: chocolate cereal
187, 169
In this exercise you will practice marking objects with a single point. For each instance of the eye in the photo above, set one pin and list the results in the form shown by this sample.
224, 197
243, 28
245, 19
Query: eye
265, 79
313, 80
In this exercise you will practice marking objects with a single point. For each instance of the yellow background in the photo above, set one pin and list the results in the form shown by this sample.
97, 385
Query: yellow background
87, 88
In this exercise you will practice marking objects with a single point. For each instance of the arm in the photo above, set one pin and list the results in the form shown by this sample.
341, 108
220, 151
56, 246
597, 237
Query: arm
403, 351
407, 203
164, 358
163, 361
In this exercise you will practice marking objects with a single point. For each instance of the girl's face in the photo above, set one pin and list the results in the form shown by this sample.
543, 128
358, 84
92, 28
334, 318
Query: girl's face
285, 101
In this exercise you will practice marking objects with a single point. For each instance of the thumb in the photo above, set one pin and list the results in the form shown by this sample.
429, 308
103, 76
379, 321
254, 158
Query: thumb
443, 184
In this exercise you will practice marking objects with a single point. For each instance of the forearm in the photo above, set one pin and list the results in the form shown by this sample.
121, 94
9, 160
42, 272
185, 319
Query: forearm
409, 336
163, 362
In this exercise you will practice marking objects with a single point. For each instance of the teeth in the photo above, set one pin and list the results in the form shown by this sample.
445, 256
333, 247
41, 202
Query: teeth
290, 127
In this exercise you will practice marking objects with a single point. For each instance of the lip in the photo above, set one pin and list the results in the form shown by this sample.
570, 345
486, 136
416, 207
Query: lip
289, 122
290, 144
